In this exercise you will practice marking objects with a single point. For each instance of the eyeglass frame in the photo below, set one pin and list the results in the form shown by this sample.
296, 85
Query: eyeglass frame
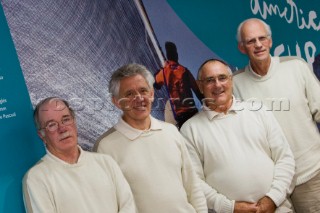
58, 124
253, 41
213, 79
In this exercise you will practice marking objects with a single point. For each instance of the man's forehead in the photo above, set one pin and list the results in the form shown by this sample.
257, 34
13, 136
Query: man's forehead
215, 68
53, 104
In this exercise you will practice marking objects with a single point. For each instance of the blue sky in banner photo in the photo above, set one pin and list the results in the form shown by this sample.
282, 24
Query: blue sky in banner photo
169, 27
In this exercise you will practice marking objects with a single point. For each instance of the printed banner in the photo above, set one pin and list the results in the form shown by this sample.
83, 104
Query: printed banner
20, 146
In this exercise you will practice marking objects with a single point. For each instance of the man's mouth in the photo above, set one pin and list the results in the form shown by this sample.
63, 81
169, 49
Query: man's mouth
140, 106
218, 92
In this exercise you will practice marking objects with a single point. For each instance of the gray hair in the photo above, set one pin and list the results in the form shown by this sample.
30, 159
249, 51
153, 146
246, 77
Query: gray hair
212, 60
266, 27
129, 70
43, 102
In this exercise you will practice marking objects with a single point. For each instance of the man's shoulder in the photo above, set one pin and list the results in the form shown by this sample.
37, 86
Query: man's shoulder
283, 59
100, 157
238, 72
38, 170
104, 137
195, 120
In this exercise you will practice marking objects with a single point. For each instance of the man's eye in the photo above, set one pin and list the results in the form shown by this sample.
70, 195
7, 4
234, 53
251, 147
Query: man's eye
210, 80
129, 94
144, 91
51, 124
252, 41
66, 119
262, 38
222, 77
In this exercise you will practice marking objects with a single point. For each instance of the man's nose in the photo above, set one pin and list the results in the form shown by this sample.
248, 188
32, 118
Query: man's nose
257, 43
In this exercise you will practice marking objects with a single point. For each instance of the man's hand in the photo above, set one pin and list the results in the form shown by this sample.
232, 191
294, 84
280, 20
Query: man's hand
245, 207
266, 205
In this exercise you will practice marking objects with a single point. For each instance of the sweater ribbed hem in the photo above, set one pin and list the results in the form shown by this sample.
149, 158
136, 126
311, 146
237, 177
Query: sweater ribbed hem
226, 207
306, 178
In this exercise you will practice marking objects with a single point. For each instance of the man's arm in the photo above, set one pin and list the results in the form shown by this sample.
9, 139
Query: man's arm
124, 195
312, 92
36, 196
191, 182
281, 154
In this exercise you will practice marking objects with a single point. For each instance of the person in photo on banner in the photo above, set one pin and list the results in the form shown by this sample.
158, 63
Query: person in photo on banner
240, 154
67, 178
289, 88
151, 153
179, 83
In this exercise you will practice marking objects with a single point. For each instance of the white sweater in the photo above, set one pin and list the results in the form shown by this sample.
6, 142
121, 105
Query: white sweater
291, 84
94, 184
157, 166
240, 156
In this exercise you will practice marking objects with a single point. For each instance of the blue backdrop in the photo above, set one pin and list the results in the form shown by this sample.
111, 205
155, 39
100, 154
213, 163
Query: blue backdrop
20, 146
90, 39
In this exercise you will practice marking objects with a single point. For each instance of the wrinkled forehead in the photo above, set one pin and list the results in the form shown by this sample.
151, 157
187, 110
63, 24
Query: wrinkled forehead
53, 106
253, 29
214, 68
133, 82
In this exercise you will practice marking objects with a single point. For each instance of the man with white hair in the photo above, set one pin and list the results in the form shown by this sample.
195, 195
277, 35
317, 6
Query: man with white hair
288, 87
67, 178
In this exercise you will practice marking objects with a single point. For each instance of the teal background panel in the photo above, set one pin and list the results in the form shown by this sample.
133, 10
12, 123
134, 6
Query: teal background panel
20, 145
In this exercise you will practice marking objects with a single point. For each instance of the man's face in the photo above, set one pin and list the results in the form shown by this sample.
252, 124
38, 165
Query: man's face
256, 42
64, 138
135, 99
216, 86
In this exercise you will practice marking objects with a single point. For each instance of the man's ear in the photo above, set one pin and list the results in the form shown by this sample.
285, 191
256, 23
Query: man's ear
42, 135
241, 48
116, 102
199, 86
270, 42
152, 95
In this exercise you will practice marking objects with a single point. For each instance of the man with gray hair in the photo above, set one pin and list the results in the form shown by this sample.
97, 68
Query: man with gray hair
240, 154
67, 178
274, 81
152, 154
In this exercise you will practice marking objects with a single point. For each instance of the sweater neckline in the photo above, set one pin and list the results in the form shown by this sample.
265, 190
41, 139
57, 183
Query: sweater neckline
55, 159
270, 73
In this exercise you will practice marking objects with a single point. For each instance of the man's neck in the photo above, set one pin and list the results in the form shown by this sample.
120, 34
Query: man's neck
223, 108
70, 157
139, 124
261, 67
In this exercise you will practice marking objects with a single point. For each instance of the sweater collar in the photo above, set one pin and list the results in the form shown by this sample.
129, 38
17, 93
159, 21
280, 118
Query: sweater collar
213, 114
274, 61
53, 158
133, 133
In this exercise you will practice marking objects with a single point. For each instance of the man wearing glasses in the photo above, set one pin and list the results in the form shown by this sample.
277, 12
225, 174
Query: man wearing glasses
240, 153
289, 89
67, 178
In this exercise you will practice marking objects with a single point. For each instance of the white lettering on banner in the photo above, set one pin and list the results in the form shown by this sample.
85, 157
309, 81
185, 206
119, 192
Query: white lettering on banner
309, 50
291, 14
1, 77
2, 101
9, 115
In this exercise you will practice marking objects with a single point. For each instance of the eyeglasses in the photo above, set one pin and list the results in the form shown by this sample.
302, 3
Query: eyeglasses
212, 80
253, 41
52, 126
